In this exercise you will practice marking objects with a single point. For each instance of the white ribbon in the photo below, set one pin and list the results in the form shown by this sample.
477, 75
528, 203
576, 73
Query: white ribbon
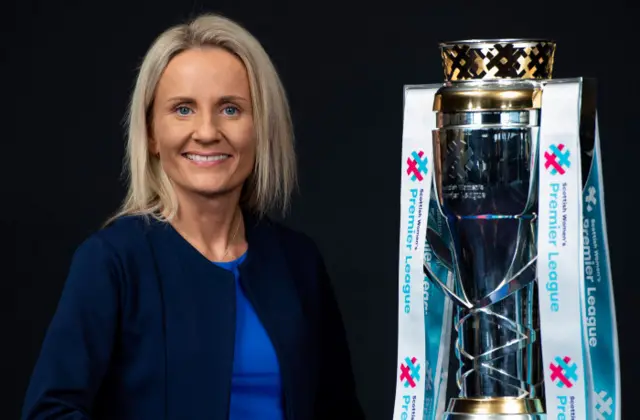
560, 252
415, 192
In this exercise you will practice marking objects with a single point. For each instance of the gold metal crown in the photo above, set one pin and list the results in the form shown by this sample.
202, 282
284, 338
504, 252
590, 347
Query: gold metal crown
497, 59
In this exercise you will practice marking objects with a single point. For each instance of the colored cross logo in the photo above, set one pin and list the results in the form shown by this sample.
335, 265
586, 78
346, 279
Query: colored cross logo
417, 166
604, 405
410, 372
428, 381
557, 160
591, 198
564, 372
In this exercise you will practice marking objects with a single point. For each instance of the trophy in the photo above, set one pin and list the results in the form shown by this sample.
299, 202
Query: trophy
502, 216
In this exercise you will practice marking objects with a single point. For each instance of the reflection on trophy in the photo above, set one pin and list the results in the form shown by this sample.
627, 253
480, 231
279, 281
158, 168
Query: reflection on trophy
485, 159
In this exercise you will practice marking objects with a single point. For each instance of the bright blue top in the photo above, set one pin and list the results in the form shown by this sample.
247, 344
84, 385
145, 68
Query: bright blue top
255, 384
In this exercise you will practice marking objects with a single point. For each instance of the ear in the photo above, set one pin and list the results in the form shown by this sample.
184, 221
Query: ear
153, 146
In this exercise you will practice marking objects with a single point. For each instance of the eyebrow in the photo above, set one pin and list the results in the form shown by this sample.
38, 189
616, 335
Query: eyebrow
231, 98
223, 99
180, 99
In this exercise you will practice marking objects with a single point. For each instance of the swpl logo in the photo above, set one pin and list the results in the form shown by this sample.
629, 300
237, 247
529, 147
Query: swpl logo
590, 199
410, 372
564, 373
603, 405
417, 166
556, 159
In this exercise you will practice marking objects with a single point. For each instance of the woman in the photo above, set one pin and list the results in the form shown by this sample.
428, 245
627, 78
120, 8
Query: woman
191, 303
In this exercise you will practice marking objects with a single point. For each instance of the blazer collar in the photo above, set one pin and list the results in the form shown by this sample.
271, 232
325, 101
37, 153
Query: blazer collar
260, 234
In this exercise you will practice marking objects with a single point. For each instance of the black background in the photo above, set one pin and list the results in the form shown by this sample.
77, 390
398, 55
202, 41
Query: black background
68, 68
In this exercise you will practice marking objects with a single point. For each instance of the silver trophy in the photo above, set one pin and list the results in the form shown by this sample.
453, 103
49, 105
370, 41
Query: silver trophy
485, 180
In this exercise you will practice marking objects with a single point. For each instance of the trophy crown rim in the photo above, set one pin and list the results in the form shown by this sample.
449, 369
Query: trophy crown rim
503, 58
494, 41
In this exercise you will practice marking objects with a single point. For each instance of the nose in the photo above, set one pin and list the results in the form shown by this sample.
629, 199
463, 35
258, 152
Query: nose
206, 129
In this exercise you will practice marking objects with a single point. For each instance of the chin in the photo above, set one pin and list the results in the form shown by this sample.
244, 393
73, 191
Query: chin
208, 187
211, 191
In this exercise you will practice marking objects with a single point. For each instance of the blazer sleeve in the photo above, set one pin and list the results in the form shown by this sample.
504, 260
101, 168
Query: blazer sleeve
337, 396
77, 347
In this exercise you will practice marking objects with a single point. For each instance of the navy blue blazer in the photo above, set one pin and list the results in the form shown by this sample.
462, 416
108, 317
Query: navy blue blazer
145, 328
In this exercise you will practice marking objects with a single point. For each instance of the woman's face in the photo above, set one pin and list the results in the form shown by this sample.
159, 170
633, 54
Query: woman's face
202, 123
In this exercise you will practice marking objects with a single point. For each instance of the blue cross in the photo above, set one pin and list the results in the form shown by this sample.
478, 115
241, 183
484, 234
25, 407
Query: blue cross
415, 369
563, 156
570, 371
421, 163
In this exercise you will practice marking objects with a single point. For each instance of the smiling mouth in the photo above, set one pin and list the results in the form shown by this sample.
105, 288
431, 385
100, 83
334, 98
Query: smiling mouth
201, 158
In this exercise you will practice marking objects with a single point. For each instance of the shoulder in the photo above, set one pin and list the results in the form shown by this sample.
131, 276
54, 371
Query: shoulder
112, 258
125, 232
114, 242
126, 229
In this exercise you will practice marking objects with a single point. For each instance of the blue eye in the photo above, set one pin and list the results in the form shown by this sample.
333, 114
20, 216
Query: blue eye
183, 110
230, 111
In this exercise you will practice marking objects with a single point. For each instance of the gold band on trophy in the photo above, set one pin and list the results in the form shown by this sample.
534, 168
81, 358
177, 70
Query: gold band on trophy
503, 406
517, 98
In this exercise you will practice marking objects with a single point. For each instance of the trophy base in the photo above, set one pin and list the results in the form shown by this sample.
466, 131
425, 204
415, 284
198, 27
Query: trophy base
495, 409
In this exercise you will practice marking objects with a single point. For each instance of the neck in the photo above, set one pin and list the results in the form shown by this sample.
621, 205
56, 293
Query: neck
213, 225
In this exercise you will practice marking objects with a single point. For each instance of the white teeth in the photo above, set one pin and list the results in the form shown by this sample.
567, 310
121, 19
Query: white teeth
200, 158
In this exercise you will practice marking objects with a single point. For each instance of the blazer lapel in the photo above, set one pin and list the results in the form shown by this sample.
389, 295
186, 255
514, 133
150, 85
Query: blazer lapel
271, 289
199, 320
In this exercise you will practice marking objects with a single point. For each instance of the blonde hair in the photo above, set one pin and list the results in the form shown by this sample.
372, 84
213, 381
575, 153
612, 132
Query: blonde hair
274, 174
